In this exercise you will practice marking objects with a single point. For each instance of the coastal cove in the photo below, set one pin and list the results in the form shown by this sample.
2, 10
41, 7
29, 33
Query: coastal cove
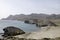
19, 24
31, 31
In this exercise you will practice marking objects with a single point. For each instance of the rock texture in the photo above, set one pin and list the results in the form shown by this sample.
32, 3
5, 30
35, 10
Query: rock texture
15, 38
12, 31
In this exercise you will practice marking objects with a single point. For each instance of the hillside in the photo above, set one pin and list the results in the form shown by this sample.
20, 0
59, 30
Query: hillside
32, 16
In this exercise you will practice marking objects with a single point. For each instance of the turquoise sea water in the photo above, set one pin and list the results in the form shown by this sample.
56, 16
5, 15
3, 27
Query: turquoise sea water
19, 24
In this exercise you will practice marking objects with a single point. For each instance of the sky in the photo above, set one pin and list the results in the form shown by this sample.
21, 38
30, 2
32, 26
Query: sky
13, 7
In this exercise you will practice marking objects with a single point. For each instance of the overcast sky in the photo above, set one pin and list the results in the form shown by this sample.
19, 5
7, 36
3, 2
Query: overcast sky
13, 7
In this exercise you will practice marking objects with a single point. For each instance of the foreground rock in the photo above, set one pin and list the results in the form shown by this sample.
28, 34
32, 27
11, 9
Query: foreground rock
15, 38
46, 33
12, 31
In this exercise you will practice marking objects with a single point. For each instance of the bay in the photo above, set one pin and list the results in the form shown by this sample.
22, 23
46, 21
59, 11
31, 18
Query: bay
19, 24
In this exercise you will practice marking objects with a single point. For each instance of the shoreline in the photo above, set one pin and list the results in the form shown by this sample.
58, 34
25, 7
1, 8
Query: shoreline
51, 33
45, 32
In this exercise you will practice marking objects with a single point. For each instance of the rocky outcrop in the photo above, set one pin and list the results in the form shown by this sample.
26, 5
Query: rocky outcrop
12, 31
15, 38
26, 21
46, 23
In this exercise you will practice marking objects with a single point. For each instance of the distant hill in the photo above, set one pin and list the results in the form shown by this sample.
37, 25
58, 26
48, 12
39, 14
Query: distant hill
32, 16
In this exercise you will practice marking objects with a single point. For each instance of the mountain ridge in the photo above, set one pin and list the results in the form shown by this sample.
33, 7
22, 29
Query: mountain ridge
32, 16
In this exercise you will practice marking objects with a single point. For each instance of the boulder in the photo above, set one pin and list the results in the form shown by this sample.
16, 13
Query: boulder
26, 21
12, 31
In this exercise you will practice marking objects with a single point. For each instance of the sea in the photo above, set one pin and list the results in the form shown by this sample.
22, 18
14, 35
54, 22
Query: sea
19, 24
